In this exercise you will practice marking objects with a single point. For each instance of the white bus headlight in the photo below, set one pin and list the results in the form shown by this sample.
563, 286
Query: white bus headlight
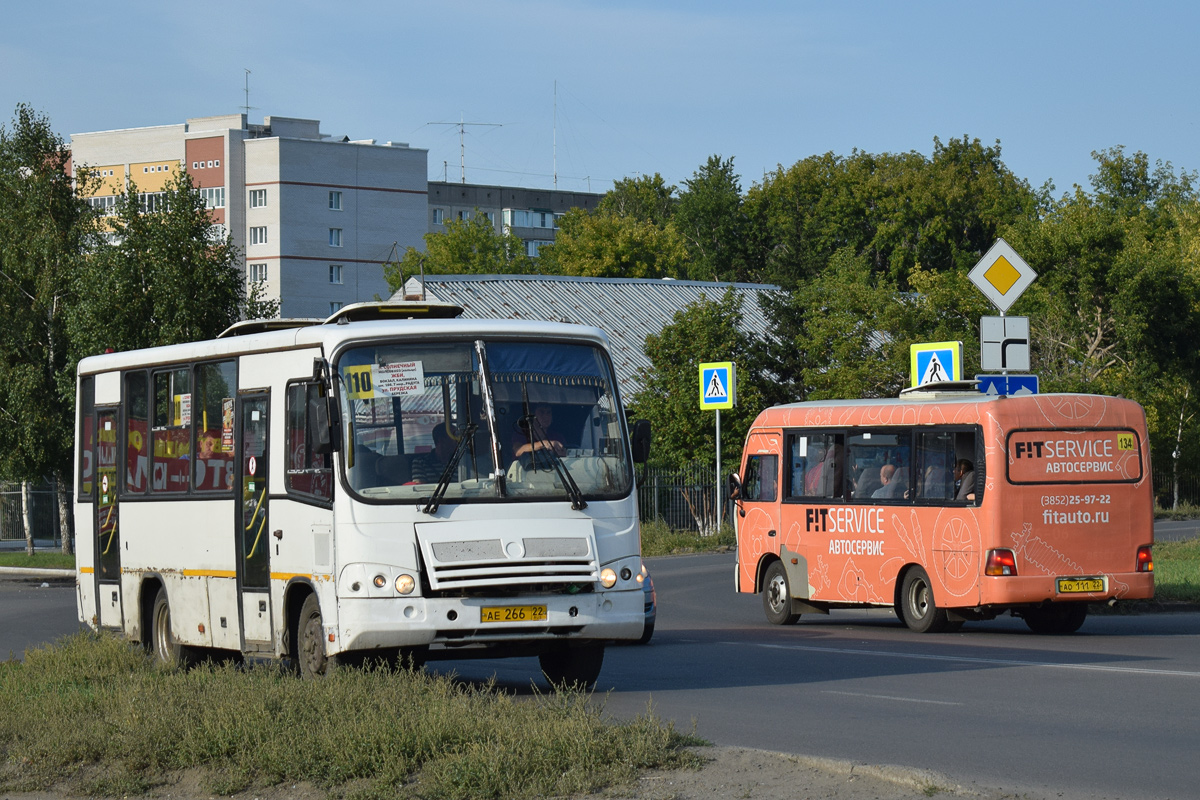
405, 584
608, 578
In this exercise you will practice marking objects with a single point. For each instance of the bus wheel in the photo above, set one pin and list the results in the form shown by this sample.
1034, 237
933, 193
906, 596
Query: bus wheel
1056, 618
777, 596
311, 661
573, 667
166, 648
917, 608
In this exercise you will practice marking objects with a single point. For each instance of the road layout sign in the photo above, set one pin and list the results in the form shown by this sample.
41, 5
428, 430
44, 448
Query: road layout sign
1002, 275
934, 362
1004, 343
718, 385
1004, 385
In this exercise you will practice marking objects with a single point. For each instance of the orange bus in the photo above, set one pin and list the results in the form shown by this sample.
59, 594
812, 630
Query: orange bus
947, 507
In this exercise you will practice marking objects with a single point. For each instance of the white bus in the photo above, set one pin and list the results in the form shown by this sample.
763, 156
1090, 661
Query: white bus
390, 481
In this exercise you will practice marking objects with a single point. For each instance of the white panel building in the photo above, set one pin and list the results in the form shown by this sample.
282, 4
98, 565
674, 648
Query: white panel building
315, 216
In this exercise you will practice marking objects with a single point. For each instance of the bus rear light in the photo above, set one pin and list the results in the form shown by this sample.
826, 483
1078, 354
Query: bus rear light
1145, 561
1000, 561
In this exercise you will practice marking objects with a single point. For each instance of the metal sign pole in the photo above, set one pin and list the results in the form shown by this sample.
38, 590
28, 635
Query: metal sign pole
720, 499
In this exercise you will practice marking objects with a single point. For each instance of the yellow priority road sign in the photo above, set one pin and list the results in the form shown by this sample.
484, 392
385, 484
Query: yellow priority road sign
1002, 275
718, 385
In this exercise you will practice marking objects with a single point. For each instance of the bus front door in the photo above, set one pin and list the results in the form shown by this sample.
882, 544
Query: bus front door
253, 527
107, 523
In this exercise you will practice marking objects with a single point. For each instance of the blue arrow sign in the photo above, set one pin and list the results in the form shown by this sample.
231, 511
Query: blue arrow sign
1007, 385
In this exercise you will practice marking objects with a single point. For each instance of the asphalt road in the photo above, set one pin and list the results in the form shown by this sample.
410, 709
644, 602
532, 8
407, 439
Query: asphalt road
1113, 711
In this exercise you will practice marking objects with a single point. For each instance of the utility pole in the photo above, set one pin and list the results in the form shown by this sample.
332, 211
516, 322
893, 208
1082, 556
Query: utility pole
462, 148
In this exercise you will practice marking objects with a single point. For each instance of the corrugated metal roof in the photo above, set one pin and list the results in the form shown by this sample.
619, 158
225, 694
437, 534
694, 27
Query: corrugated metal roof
627, 309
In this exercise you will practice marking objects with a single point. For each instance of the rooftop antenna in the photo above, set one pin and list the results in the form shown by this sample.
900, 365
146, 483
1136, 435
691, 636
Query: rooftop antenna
247, 107
555, 138
462, 149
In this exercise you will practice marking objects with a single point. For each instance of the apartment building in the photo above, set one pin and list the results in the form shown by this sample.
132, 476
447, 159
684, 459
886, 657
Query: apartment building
531, 214
316, 216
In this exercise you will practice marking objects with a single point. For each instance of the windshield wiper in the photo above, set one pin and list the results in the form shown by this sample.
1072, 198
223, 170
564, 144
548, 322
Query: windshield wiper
537, 434
444, 482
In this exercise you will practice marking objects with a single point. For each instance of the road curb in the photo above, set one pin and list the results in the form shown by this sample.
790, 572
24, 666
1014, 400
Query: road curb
33, 572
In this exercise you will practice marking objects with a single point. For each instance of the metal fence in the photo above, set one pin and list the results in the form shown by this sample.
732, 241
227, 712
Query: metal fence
1164, 487
685, 499
43, 507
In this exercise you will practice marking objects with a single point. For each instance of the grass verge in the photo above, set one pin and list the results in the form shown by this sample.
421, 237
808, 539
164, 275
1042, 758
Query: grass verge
92, 715
659, 539
1177, 571
1184, 511
39, 560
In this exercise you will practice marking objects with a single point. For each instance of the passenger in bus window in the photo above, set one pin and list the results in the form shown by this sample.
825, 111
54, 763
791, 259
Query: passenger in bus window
868, 481
893, 484
964, 479
427, 467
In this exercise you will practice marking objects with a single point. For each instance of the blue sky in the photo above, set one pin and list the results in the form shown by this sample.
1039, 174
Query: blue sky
641, 87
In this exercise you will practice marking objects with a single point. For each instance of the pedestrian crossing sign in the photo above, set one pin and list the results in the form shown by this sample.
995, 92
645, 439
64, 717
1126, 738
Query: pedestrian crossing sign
935, 362
718, 385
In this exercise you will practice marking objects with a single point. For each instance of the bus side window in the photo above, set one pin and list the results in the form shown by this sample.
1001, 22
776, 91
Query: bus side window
934, 477
824, 472
308, 471
761, 479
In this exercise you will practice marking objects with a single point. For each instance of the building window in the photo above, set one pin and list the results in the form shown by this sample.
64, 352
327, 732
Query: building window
334, 306
518, 218
258, 198
335, 201
152, 202
437, 216
258, 235
214, 197
335, 273
534, 245
463, 216
103, 205
256, 272
335, 237
490, 216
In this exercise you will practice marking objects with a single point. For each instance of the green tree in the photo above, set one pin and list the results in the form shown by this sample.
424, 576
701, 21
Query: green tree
467, 247
646, 198
846, 334
1116, 306
896, 210
708, 330
42, 234
164, 277
605, 245
710, 217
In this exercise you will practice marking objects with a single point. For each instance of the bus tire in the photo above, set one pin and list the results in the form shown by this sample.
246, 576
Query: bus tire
777, 596
311, 661
573, 667
1056, 618
917, 607
166, 648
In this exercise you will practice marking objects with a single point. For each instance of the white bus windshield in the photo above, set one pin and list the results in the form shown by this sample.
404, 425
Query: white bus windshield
417, 412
